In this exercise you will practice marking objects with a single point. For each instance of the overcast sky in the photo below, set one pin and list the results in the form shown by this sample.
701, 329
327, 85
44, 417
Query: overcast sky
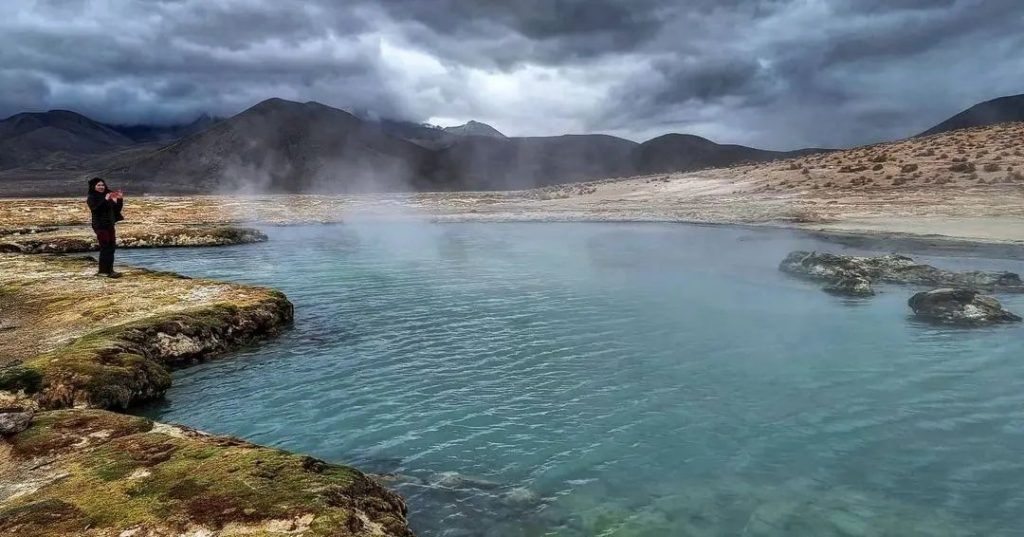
771, 73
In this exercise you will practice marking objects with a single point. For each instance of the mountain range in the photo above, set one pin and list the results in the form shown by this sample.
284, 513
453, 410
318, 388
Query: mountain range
285, 146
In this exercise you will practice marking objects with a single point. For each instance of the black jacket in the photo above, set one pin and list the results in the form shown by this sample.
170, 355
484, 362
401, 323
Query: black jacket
105, 213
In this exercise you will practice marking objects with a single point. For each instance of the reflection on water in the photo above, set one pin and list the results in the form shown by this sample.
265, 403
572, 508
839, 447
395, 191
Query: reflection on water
612, 379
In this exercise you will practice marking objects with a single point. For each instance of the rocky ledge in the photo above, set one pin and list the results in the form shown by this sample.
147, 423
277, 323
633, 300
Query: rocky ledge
83, 472
94, 342
81, 239
964, 307
853, 275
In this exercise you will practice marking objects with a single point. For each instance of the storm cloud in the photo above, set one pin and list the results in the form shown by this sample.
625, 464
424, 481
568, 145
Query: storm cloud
778, 74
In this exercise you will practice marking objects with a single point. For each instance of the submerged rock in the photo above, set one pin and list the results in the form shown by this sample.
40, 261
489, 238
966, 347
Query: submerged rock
457, 480
857, 286
844, 271
960, 306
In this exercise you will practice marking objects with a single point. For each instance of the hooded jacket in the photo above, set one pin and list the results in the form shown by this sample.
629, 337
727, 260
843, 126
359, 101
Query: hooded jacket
105, 213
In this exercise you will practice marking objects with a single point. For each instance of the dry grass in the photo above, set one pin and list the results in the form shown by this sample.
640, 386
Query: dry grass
59, 300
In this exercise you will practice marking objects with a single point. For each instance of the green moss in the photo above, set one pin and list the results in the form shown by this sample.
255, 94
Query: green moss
45, 518
132, 476
117, 367
53, 432
16, 378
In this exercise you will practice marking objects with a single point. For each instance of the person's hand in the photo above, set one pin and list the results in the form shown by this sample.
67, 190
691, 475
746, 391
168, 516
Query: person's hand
109, 196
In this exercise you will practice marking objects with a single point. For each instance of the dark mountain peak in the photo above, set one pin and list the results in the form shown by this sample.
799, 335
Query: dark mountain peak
474, 128
50, 118
283, 109
685, 152
1000, 110
273, 103
53, 137
71, 123
681, 138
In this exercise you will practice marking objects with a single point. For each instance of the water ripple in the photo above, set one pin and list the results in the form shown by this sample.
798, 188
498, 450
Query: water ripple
617, 379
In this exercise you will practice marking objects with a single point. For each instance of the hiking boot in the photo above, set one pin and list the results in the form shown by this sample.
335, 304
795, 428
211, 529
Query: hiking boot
113, 274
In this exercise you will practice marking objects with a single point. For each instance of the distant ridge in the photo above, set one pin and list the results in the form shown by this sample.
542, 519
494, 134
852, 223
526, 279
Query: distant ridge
1001, 110
281, 146
675, 152
142, 133
284, 146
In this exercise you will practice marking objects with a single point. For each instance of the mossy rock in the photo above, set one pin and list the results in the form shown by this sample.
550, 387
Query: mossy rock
127, 364
121, 473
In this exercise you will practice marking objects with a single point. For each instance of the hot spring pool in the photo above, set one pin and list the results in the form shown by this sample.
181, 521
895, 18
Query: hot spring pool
617, 379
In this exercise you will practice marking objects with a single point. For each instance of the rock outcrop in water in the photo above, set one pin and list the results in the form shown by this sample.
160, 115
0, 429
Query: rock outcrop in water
853, 275
960, 307
850, 285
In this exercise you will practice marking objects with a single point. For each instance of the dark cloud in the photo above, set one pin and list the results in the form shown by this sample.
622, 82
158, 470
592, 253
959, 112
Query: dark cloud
775, 73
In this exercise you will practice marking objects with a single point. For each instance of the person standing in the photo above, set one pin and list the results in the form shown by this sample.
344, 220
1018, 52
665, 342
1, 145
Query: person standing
105, 206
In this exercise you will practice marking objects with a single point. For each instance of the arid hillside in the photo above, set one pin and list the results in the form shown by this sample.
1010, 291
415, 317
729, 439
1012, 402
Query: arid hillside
968, 157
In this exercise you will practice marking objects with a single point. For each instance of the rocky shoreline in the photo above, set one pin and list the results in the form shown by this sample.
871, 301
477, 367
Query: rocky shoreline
74, 345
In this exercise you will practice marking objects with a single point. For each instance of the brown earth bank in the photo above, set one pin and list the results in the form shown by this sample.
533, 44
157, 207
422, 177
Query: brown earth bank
72, 344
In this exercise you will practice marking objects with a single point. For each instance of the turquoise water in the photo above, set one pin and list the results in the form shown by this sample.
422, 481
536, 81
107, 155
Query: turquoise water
617, 379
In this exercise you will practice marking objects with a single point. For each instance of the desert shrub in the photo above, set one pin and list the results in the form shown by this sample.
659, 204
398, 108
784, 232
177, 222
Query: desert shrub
963, 167
877, 167
907, 168
991, 167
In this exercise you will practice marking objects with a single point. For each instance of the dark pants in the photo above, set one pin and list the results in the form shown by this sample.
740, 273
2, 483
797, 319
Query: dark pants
108, 243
